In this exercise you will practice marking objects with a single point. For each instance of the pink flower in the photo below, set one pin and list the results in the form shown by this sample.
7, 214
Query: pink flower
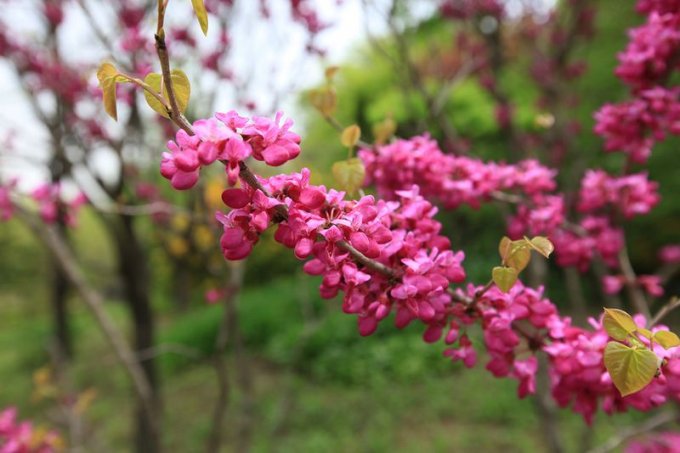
613, 284
229, 138
273, 143
214, 295
6, 205
670, 254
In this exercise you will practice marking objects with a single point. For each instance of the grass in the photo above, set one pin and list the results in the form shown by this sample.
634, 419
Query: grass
316, 384
338, 392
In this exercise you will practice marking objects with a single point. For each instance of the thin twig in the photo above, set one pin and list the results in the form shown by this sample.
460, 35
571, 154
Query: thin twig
625, 434
636, 295
666, 309
221, 342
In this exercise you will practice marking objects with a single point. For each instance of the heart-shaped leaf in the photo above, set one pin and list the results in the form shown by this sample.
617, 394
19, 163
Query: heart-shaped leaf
384, 130
631, 369
109, 93
645, 333
330, 72
180, 84
618, 323
350, 136
504, 277
350, 174
518, 259
504, 247
666, 339
324, 100
105, 71
107, 74
541, 244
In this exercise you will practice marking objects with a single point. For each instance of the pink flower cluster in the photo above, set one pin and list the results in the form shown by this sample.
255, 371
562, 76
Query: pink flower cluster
511, 323
449, 179
631, 195
593, 235
633, 127
651, 284
51, 205
652, 51
518, 324
646, 65
670, 254
320, 224
543, 217
22, 437
465, 9
149, 192
231, 139
660, 6
578, 375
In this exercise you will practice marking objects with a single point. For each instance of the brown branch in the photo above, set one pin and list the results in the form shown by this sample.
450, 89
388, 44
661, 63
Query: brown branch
95, 303
666, 309
221, 342
367, 262
642, 428
162, 51
637, 297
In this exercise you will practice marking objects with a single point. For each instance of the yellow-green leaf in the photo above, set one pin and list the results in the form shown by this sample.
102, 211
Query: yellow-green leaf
180, 84
324, 100
618, 323
109, 94
666, 339
350, 174
631, 369
350, 136
201, 14
504, 247
384, 130
105, 71
518, 259
645, 333
330, 73
504, 277
541, 244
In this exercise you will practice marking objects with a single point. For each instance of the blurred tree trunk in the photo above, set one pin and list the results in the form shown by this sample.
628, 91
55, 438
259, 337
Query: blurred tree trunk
63, 342
133, 270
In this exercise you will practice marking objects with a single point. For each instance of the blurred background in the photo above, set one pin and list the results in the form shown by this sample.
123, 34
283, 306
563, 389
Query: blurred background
495, 80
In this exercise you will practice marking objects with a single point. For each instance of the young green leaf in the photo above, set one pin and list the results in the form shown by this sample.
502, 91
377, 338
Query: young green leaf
324, 100
666, 339
518, 258
541, 244
107, 74
105, 71
350, 136
504, 277
182, 89
330, 72
384, 130
618, 323
504, 248
350, 174
631, 369
109, 94
182, 86
201, 14
645, 333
